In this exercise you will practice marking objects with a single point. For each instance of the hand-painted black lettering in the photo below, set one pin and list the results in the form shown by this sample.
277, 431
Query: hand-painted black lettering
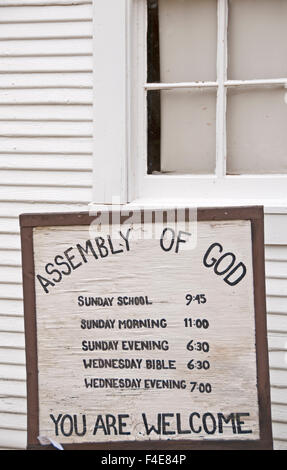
235, 270
126, 238
181, 240
63, 263
241, 423
225, 268
212, 260
167, 245
229, 269
88, 247
45, 282
56, 422
52, 271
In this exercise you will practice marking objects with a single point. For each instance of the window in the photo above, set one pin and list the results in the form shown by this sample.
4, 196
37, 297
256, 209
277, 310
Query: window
192, 93
246, 119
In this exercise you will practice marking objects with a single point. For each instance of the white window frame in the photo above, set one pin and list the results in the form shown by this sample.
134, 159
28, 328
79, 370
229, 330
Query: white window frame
120, 119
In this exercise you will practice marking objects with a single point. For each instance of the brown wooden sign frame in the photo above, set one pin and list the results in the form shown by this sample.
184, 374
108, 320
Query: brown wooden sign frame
256, 216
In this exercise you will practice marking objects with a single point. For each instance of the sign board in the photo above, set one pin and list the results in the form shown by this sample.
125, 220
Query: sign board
146, 342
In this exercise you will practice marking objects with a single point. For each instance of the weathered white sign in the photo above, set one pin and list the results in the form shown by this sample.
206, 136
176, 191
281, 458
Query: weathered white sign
146, 339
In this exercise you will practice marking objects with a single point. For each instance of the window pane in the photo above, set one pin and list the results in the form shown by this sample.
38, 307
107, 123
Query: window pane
256, 131
187, 38
257, 39
187, 131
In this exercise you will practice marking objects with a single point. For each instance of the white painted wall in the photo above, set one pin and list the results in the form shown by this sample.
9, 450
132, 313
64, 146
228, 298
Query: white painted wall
276, 286
45, 156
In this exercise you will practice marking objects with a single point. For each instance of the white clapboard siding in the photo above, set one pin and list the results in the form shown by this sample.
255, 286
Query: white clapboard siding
52, 47
21, 3
47, 112
277, 322
10, 242
10, 257
49, 192
13, 388
44, 178
56, 30
42, 63
45, 157
45, 95
15, 421
276, 252
12, 340
9, 225
12, 356
276, 287
14, 208
11, 308
46, 80
48, 144
13, 405
46, 13
12, 439
15, 324
12, 372
79, 163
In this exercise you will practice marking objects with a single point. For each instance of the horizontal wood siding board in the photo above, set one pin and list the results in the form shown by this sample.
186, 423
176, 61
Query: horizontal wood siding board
8, 225
11, 308
12, 372
34, 81
46, 13
39, 145
278, 378
43, 178
278, 394
24, 3
13, 405
44, 112
11, 324
13, 389
43, 193
277, 341
276, 229
277, 286
280, 431
75, 63
27, 31
12, 340
15, 421
12, 356
277, 304
276, 252
47, 163
280, 444
60, 96
276, 269
13, 439
277, 322
18, 47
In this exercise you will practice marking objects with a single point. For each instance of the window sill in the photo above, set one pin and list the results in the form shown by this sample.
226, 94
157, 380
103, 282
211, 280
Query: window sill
271, 206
